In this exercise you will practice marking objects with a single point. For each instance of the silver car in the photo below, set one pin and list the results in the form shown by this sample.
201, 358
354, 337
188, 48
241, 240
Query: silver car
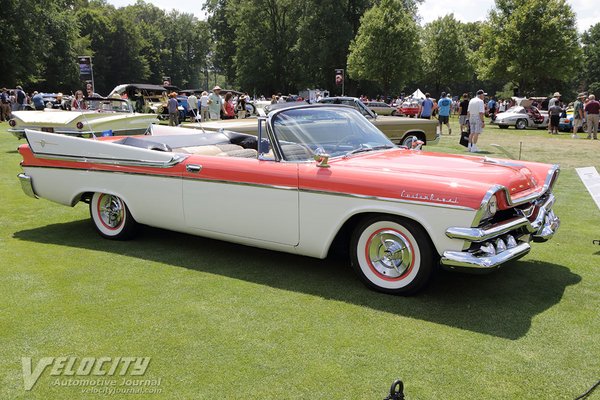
381, 108
522, 118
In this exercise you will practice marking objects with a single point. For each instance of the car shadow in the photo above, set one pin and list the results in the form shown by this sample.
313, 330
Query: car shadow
501, 304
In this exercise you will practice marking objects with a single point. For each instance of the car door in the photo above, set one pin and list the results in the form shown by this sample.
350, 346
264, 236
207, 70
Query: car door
243, 197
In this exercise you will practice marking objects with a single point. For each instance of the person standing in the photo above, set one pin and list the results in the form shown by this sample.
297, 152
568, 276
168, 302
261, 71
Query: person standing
204, 112
228, 108
192, 101
21, 98
492, 105
554, 112
38, 101
554, 100
578, 115
444, 104
476, 113
426, 107
240, 107
215, 103
592, 113
172, 107
5, 113
463, 107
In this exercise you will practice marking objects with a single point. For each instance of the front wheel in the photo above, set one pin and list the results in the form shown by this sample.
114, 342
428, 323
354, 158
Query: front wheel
392, 255
111, 217
394, 113
408, 140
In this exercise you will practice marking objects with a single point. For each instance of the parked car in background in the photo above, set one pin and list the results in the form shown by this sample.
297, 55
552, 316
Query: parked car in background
323, 176
146, 98
381, 108
400, 130
522, 116
98, 115
409, 108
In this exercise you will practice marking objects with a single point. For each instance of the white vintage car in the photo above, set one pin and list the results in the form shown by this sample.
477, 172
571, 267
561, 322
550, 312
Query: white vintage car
522, 116
321, 175
96, 116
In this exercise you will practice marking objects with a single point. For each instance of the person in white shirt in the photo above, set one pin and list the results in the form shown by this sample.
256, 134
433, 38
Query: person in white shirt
192, 101
476, 114
204, 112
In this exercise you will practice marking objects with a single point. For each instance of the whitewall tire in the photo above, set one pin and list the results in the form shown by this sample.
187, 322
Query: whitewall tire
392, 255
111, 217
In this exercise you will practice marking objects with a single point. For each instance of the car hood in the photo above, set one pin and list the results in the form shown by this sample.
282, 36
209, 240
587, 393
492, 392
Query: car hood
433, 177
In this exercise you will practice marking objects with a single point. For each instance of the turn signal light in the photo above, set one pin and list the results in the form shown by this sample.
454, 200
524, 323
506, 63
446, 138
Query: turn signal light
12, 123
79, 125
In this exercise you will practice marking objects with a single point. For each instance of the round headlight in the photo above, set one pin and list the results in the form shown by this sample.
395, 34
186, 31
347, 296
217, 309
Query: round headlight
12, 123
79, 125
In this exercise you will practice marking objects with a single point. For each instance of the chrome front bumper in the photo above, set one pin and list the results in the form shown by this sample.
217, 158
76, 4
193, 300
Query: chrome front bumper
27, 185
482, 249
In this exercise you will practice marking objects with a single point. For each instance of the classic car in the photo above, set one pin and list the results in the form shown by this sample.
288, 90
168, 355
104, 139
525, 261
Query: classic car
566, 123
400, 130
145, 98
381, 108
322, 177
96, 116
409, 108
522, 116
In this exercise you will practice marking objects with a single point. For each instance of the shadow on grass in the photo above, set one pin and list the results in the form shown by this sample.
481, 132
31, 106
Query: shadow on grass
500, 304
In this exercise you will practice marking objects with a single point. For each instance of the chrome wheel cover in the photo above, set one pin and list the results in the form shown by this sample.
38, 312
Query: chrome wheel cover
111, 211
389, 253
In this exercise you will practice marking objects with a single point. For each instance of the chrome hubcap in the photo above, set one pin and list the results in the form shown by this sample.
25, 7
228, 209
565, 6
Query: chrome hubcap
111, 211
390, 253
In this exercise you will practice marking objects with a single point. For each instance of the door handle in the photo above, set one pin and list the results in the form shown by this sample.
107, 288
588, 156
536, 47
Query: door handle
195, 168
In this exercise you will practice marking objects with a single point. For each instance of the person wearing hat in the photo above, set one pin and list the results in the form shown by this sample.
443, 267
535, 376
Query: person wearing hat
476, 113
215, 103
554, 100
578, 114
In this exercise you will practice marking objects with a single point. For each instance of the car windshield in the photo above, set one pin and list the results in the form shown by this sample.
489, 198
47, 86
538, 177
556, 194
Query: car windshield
337, 131
107, 105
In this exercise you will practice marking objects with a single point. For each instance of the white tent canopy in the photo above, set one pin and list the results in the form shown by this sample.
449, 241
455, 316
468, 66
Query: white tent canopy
418, 94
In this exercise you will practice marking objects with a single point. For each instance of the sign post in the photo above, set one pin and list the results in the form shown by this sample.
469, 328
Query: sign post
86, 70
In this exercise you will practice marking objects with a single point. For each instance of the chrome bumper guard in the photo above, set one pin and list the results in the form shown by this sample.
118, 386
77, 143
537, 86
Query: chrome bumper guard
500, 243
27, 185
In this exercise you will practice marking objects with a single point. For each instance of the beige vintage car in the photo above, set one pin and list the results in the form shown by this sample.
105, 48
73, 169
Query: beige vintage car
399, 130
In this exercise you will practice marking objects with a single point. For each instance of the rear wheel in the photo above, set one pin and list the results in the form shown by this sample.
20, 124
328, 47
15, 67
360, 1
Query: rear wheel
111, 217
521, 124
392, 255
394, 113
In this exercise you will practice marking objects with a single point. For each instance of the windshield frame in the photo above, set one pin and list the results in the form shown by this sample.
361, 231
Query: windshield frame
367, 129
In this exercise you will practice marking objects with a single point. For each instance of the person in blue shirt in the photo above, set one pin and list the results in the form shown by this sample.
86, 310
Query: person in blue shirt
444, 104
38, 101
426, 107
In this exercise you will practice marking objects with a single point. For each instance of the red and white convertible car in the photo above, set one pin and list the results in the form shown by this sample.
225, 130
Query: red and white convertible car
321, 174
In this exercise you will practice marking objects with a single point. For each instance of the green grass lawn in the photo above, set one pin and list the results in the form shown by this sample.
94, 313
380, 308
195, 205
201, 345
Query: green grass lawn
222, 321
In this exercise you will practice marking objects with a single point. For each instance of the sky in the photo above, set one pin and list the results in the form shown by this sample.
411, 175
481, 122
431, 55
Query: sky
587, 11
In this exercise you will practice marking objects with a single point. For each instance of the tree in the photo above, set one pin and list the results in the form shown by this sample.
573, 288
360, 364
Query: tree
591, 58
532, 43
445, 52
386, 48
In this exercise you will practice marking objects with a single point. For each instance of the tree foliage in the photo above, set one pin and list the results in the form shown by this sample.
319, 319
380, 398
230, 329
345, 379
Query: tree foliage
591, 58
533, 43
445, 52
385, 49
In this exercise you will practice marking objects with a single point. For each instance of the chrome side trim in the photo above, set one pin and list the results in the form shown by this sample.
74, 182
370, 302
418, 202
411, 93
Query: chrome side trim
27, 185
463, 259
176, 159
387, 199
483, 234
